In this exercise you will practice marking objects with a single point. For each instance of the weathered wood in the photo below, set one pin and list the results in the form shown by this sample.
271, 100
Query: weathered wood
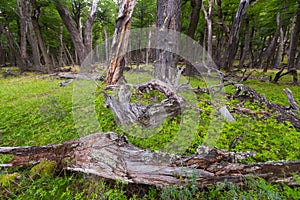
291, 99
151, 115
245, 92
77, 76
111, 156
120, 41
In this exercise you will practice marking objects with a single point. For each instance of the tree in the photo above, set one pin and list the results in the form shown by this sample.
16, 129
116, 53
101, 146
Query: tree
232, 44
120, 41
168, 17
82, 43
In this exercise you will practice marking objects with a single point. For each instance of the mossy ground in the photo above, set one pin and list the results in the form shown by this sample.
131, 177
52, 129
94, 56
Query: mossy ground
36, 111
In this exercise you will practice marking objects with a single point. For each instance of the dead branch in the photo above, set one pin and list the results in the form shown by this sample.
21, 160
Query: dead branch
151, 115
111, 156
244, 92
77, 76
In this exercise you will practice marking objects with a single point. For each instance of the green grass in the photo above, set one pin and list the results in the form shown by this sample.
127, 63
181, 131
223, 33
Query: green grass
37, 111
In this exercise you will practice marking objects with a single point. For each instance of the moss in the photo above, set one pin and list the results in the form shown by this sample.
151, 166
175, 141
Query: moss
45, 168
7, 179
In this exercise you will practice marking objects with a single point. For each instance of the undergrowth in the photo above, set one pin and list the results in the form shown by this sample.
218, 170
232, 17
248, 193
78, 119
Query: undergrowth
36, 111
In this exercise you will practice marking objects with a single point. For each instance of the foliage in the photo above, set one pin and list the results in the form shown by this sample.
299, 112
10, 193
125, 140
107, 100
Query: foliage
37, 111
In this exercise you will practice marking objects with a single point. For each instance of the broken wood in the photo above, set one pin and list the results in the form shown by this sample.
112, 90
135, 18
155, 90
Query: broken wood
151, 115
111, 156
244, 92
81, 76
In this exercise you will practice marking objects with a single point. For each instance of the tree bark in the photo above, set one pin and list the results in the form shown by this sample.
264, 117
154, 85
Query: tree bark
293, 47
233, 41
168, 17
37, 29
245, 51
111, 156
208, 18
15, 49
23, 32
120, 41
293, 60
193, 23
32, 37
82, 45
272, 44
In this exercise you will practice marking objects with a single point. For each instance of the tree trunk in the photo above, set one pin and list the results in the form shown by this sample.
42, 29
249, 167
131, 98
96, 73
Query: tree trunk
74, 32
271, 46
280, 49
61, 48
14, 48
106, 47
111, 156
37, 29
245, 51
233, 41
221, 20
208, 18
168, 17
120, 41
88, 26
23, 32
194, 19
292, 62
82, 46
31, 36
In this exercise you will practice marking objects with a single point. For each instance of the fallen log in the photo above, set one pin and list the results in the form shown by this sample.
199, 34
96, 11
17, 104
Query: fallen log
244, 93
111, 156
81, 76
127, 113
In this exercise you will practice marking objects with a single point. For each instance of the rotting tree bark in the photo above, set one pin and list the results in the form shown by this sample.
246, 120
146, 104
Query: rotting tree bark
120, 41
111, 156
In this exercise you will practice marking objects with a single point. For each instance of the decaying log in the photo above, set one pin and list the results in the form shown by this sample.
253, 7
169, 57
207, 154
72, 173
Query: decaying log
111, 156
150, 115
81, 76
244, 92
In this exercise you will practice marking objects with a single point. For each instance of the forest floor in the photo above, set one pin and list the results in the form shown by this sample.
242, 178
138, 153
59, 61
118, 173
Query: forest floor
35, 110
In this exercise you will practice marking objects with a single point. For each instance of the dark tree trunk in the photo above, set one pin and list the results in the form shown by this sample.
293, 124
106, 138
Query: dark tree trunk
37, 29
221, 20
293, 60
23, 30
271, 46
32, 37
194, 19
168, 17
120, 41
293, 47
14, 48
245, 51
233, 41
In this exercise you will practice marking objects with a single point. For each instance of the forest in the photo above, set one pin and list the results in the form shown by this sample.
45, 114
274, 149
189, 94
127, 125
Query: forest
157, 99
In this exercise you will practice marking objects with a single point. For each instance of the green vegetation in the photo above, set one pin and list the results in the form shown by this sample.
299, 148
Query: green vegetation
36, 111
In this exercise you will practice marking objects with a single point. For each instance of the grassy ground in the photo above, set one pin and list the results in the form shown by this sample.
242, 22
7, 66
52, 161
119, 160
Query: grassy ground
36, 111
